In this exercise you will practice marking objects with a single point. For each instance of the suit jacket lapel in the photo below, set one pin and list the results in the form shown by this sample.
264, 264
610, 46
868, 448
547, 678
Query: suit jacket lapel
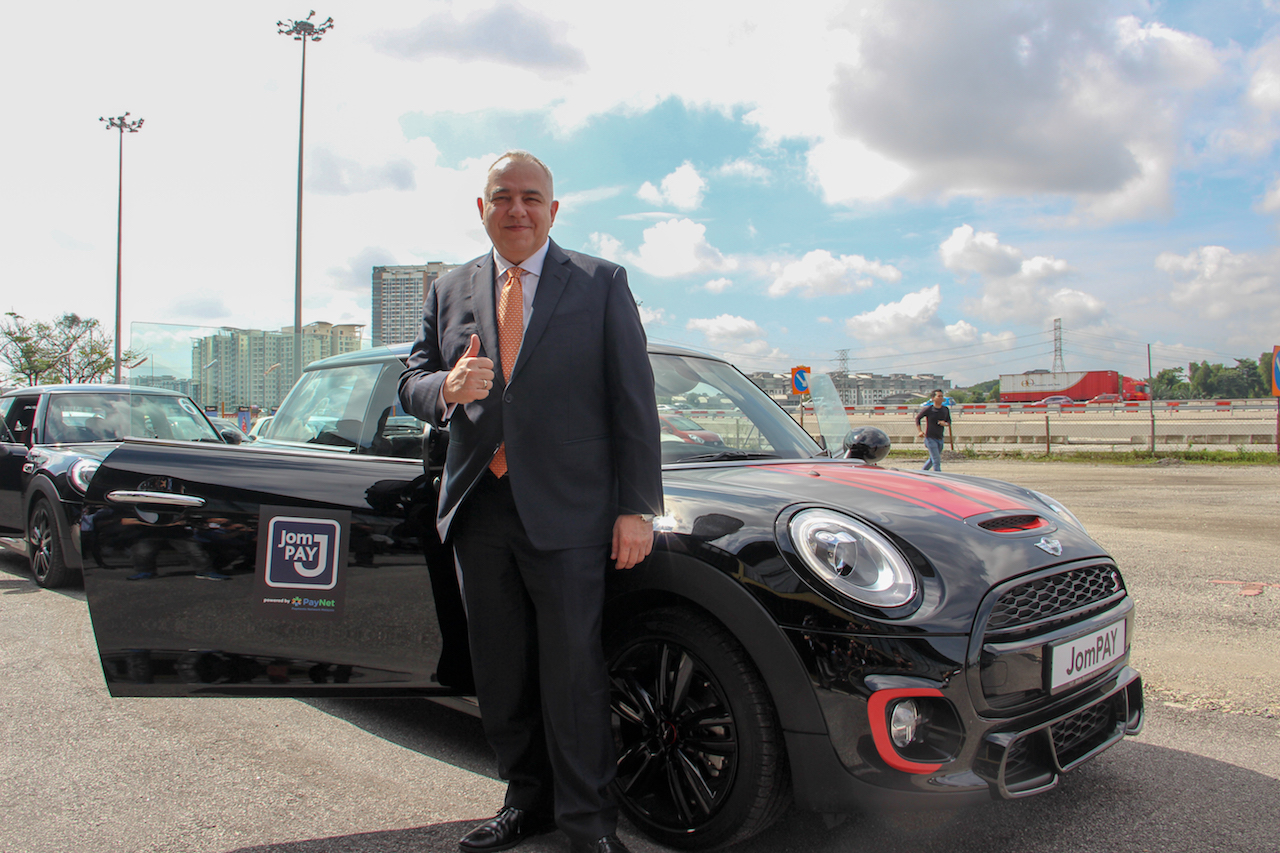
551, 284
486, 308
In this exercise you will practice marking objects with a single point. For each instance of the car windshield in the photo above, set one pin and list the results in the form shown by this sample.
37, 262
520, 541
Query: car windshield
94, 416
718, 413
711, 397
353, 406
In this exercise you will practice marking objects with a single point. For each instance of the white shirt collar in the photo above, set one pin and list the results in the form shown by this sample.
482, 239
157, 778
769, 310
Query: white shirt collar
531, 265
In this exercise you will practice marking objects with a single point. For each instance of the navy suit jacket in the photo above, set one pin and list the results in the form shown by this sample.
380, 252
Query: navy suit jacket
578, 415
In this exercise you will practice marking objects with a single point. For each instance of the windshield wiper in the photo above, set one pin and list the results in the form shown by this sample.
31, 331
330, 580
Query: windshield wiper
727, 454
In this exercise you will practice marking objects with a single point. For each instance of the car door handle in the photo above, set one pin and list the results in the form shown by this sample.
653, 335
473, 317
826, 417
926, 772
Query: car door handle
161, 498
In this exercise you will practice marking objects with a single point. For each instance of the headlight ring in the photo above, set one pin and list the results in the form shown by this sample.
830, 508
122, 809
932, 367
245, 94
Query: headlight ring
853, 559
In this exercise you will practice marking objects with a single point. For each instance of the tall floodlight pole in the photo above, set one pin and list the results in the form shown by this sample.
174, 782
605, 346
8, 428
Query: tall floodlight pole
124, 125
302, 31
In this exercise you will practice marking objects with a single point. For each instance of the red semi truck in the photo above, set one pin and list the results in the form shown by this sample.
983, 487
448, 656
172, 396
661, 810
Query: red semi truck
1034, 386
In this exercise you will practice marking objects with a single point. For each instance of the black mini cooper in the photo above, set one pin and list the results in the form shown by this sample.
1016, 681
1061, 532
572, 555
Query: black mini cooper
52, 438
811, 627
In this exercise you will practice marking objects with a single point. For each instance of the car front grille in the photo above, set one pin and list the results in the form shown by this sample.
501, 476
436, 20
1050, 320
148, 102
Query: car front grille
1047, 597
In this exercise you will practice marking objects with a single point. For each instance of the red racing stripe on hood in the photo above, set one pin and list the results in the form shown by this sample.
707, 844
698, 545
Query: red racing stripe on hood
956, 499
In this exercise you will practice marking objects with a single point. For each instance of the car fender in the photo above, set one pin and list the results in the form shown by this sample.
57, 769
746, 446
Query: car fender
668, 574
68, 528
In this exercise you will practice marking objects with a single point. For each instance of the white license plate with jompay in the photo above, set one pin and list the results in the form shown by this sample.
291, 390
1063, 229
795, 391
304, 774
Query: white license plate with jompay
1081, 657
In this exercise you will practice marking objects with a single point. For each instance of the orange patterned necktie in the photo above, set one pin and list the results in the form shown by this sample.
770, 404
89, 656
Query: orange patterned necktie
510, 334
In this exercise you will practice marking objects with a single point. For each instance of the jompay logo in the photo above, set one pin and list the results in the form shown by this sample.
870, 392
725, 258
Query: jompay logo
302, 553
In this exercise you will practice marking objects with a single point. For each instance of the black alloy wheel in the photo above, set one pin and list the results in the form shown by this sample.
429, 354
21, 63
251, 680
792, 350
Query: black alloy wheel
44, 548
701, 762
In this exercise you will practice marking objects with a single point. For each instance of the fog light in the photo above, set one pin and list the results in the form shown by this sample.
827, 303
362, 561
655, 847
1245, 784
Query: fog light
904, 723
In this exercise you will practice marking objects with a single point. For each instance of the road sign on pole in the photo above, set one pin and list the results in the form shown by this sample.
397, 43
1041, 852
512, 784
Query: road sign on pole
799, 380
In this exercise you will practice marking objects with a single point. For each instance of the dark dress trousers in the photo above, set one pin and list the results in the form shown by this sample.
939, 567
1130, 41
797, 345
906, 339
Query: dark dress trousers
582, 442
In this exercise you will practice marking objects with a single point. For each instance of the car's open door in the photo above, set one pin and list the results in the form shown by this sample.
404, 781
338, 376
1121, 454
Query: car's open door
268, 571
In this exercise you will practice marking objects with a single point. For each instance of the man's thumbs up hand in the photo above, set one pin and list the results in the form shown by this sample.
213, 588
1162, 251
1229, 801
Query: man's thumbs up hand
472, 376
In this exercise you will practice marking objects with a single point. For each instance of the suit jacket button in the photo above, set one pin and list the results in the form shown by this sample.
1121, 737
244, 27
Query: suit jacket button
507, 398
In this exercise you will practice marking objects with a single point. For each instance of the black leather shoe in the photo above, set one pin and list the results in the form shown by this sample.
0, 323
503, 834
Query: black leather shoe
603, 844
504, 830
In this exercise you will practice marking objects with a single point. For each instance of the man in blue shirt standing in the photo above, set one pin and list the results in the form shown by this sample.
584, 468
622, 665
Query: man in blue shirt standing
935, 414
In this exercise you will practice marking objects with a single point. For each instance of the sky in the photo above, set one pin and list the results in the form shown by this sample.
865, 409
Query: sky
892, 187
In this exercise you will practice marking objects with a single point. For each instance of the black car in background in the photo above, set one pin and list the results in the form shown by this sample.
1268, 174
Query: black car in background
52, 438
810, 628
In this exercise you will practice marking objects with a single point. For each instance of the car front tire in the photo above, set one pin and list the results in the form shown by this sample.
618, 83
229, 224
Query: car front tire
44, 548
701, 762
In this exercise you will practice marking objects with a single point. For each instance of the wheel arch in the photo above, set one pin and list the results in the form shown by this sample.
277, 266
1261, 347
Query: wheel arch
679, 579
42, 488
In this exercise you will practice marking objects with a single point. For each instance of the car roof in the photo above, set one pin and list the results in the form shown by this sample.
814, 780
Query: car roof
375, 355
93, 388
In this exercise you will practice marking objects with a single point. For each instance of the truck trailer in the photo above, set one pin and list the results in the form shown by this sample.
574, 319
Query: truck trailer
1034, 386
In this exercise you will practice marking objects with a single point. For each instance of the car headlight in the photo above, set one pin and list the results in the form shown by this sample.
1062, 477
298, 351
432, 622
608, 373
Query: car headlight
1057, 509
81, 472
853, 558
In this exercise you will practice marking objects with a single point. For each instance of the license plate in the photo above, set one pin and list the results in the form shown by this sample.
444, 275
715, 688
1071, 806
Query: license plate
1081, 657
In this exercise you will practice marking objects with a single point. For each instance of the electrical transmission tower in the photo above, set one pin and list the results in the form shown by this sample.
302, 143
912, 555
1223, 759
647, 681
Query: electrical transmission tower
842, 361
1058, 365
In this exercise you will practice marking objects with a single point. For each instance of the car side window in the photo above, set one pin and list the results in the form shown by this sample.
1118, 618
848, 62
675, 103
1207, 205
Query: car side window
20, 417
397, 433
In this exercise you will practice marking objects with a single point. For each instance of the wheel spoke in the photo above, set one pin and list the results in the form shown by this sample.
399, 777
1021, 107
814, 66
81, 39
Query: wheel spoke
631, 701
675, 786
682, 676
643, 772
696, 782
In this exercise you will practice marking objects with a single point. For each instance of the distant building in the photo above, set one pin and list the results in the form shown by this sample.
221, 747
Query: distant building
398, 294
253, 367
860, 389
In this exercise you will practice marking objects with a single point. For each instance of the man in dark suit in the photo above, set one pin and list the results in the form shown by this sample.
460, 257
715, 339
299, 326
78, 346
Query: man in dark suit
534, 358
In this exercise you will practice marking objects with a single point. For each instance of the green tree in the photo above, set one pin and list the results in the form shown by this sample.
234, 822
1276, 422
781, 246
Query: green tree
24, 347
1170, 384
1264, 373
72, 349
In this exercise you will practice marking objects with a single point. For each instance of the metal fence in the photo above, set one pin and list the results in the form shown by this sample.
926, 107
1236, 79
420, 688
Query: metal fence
1168, 425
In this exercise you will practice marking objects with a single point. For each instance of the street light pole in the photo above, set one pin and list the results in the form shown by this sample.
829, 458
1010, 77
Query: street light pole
123, 124
302, 31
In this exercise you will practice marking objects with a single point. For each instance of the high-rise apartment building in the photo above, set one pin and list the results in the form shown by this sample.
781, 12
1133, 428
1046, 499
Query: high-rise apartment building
397, 300
253, 367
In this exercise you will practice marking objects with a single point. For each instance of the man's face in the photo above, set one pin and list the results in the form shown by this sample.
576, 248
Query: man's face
518, 210
938, 398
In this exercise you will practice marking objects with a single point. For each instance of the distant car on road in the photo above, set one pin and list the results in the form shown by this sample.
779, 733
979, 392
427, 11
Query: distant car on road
52, 438
259, 427
688, 430
1055, 400
1106, 398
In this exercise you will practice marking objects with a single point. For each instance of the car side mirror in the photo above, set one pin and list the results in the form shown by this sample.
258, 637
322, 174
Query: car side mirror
231, 436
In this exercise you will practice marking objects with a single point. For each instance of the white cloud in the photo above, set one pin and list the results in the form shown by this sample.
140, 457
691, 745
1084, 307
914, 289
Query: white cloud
743, 168
1013, 99
897, 320
670, 249
819, 273
1240, 291
846, 170
653, 316
719, 285
683, 189
741, 340
1016, 288
961, 332
543, 46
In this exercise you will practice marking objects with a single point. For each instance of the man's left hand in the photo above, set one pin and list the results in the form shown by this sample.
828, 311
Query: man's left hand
632, 541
